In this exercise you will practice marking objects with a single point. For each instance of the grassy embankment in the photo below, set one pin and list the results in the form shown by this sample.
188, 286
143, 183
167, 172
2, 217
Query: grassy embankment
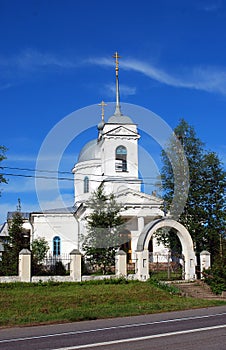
30, 304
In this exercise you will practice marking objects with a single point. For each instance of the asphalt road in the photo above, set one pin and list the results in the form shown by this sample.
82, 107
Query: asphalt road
191, 329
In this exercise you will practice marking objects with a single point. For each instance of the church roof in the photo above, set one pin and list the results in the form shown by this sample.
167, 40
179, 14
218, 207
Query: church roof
25, 215
4, 230
64, 210
90, 151
120, 119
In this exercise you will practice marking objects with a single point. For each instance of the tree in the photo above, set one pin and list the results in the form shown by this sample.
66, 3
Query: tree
3, 149
39, 248
104, 225
15, 243
214, 204
204, 212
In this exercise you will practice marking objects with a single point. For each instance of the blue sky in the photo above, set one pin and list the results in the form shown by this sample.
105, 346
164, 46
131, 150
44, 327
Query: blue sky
56, 58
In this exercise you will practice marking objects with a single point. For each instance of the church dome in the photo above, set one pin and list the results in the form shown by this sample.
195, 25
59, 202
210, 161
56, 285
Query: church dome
90, 151
100, 125
120, 119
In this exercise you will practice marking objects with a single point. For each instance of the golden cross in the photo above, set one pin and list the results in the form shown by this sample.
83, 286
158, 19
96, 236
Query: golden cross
116, 56
102, 104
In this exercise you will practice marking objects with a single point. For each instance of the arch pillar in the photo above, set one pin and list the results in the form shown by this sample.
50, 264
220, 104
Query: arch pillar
142, 265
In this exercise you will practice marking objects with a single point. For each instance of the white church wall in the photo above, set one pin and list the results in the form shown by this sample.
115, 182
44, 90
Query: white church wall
49, 226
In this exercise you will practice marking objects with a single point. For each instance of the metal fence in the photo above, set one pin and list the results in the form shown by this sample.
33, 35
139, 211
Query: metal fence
52, 265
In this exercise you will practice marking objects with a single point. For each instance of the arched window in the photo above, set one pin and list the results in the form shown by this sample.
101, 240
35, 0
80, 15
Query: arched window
121, 158
86, 184
56, 245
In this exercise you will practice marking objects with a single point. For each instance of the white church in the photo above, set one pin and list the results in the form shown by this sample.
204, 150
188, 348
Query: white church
110, 160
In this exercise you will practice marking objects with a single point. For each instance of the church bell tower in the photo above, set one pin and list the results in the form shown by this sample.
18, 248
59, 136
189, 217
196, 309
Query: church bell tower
118, 140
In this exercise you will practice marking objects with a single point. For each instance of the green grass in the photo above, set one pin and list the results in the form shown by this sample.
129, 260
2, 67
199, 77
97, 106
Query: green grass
42, 303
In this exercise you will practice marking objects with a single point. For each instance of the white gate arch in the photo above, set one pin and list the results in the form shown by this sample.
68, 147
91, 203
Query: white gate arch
142, 260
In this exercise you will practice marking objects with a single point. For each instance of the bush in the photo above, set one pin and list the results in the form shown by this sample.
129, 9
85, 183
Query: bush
215, 277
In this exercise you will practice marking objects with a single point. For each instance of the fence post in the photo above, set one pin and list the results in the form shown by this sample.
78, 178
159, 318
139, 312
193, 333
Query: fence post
120, 264
76, 265
25, 265
204, 261
142, 265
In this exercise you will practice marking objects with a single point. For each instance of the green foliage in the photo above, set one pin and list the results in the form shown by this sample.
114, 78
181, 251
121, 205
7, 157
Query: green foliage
164, 286
113, 280
204, 213
104, 226
10, 258
216, 276
39, 249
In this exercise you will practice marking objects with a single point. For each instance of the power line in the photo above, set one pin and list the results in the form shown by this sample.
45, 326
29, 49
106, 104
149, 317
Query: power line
68, 179
38, 177
61, 172
36, 170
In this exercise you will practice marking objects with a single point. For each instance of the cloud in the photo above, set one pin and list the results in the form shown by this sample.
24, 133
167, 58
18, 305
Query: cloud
125, 90
21, 158
21, 66
205, 78
32, 59
29, 206
20, 184
57, 202
210, 6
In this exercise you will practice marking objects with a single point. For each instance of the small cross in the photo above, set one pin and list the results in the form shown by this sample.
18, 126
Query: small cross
102, 104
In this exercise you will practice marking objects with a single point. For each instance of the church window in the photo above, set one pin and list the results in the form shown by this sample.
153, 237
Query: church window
86, 184
56, 245
121, 159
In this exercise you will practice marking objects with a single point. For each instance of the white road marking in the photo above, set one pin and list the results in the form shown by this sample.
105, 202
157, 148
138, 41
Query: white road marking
110, 328
113, 342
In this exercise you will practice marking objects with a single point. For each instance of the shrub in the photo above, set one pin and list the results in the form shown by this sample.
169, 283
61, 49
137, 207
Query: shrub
215, 277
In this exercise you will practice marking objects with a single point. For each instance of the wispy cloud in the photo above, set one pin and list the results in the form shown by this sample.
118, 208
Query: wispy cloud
32, 59
21, 66
209, 5
65, 200
46, 184
205, 78
125, 90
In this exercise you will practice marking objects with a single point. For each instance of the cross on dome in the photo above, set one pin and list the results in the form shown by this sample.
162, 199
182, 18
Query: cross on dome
102, 104
116, 56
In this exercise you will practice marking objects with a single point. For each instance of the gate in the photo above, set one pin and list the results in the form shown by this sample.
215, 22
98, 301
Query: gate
168, 266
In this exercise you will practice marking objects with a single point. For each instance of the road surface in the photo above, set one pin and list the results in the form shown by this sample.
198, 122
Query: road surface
187, 330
